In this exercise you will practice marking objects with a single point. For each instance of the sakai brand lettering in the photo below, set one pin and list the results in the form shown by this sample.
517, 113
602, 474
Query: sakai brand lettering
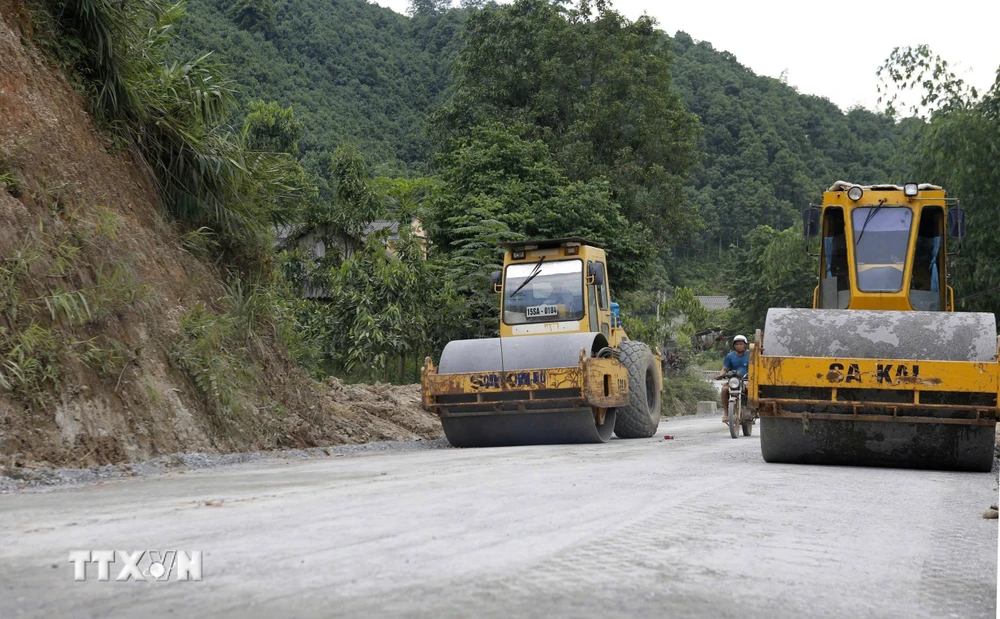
837, 373
485, 381
525, 379
141, 565
510, 379
884, 372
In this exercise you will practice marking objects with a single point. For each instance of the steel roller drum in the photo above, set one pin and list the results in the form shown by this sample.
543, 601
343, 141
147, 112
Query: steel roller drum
870, 334
532, 352
566, 424
899, 444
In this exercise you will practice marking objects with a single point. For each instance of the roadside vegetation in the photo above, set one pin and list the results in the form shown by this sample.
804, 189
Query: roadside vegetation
530, 119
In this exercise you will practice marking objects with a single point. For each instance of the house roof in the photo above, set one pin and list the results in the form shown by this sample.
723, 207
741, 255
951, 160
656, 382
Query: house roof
379, 225
714, 302
283, 233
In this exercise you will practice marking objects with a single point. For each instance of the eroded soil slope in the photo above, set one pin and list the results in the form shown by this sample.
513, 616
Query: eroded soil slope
96, 287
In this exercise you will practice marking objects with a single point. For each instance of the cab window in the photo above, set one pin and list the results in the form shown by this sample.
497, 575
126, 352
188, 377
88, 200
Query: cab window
543, 292
881, 242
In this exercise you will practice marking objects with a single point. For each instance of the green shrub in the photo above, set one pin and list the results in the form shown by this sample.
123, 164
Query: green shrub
682, 393
30, 362
204, 349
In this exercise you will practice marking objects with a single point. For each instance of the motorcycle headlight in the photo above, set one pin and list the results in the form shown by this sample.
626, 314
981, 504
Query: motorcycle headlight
734, 383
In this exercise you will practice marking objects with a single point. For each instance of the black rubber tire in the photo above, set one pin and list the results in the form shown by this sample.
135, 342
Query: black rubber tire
641, 416
734, 424
747, 428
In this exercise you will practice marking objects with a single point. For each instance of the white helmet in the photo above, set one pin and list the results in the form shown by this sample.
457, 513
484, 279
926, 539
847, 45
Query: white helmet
739, 338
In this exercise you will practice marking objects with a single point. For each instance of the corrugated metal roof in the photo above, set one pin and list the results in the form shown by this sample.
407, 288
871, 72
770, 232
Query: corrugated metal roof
381, 224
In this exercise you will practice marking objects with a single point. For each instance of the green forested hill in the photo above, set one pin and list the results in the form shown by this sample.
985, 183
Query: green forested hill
358, 73
769, 150
352, 71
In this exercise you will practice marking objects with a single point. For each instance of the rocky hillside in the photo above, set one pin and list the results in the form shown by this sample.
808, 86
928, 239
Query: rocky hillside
114, 327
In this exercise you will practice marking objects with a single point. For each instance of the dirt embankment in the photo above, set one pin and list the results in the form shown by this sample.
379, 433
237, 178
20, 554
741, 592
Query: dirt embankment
382, 411
95, 287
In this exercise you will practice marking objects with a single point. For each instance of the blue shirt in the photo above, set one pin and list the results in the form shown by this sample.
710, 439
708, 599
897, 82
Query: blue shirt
737, 362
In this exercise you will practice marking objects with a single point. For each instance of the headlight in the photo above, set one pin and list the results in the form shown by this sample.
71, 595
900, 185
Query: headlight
855, 193
910, 189
734, 383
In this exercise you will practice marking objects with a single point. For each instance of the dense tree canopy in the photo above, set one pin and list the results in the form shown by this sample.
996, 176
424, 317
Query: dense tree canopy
593, 86
498, 180
956, 147
270, 128
352, 71
772, 269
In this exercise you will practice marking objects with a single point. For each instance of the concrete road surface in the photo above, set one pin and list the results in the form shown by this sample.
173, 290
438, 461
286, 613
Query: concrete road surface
697, 526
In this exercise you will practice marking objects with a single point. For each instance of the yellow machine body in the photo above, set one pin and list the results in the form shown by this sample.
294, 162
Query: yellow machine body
927, 211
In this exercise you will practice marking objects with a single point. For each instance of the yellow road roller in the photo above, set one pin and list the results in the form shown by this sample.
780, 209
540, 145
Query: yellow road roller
562, 371
881, 371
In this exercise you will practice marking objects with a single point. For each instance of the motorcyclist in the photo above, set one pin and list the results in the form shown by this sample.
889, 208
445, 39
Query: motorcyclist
737, 360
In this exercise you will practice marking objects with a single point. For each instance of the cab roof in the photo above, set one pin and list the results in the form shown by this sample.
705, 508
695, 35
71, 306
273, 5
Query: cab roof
549, 243
844, 186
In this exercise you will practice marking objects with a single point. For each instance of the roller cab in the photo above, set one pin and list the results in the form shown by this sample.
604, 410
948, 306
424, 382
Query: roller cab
880, 372
562, 370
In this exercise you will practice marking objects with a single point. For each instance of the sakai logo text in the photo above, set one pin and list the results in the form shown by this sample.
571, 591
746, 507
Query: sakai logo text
884, 373
140, 565
492, 380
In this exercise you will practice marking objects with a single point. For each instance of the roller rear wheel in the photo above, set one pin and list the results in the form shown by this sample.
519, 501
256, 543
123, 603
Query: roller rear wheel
641, 416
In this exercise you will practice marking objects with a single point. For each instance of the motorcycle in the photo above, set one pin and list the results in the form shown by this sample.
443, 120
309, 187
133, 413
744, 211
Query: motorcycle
740, 413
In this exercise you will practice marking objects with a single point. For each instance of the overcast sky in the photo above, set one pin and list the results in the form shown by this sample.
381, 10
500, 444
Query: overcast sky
831, 49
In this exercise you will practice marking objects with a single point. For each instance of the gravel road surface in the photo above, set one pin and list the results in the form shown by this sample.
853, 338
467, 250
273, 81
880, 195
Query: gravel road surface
696, 526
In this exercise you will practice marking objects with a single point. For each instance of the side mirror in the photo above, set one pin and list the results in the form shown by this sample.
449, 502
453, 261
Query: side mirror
495, 278
956, 223
810, 222
595, 273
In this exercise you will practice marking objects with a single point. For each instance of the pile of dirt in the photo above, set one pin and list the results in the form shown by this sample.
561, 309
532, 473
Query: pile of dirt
395, 407
98, 290
352, 414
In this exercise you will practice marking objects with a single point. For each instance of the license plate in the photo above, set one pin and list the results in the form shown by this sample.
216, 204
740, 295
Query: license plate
542, 311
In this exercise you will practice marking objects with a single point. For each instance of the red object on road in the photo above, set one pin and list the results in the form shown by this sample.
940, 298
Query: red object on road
667, 437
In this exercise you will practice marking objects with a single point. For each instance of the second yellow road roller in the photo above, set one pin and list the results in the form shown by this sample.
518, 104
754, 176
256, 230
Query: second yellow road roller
563, 369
